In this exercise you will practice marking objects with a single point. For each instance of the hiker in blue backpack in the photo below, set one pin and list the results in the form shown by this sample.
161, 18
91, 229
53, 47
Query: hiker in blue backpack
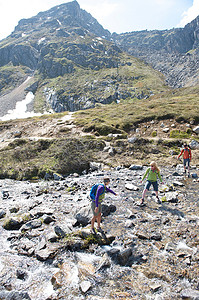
97, 194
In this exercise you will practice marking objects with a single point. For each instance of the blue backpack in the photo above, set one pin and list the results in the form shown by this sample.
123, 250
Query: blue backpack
94, 190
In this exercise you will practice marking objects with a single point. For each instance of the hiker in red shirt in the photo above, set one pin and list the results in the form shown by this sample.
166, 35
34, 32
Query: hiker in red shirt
186, 158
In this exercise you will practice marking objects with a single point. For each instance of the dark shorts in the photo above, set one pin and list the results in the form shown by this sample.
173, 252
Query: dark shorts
186, 161
153, 183
93, 208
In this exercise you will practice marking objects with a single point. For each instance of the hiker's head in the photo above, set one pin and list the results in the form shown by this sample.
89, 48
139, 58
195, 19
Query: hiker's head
185, 145
153, 165
106, 181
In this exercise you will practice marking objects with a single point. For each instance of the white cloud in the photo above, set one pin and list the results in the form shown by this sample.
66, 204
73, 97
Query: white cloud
190, 14
101, 9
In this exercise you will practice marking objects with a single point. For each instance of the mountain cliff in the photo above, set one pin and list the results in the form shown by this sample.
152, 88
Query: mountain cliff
75, 63
173, 52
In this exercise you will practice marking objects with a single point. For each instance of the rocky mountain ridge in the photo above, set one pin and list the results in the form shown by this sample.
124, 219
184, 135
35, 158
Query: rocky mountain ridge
65, 43
173, 52
73, 60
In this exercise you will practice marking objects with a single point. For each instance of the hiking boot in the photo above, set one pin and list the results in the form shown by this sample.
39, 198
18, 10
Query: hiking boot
93, 231
189, 175
100, 230
158, 200
142, 202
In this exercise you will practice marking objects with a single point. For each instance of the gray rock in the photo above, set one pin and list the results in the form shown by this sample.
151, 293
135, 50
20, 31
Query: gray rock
59, 231
85, 286
14, 295
178, 183
104, 262
166, 130
108, 209
194, 175
17, 134
129, 224
112, 151
156, 236
5, 194
196, 129
131, 187
155, 287
142, 235
12, 224
46, 253
124, 256
172, 197
94, 166
48, 219
31, 225
190, 294
135, 167
132, 140
194, 144
57, 176
2, 214
176, 174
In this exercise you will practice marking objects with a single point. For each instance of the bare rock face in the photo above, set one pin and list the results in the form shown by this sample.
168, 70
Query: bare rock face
48, 43
166, 51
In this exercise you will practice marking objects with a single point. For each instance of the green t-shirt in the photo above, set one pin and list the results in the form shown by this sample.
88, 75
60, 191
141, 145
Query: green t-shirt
152, 175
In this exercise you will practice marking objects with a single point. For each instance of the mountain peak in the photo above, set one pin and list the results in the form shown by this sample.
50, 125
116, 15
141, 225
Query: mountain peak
66, 16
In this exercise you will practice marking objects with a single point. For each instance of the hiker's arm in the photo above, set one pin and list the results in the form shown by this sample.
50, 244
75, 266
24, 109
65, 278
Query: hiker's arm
147, 171
190, 154
110, 191
159, 176
180, 153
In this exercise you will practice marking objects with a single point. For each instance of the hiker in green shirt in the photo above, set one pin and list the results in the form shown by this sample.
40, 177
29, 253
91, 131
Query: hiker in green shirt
151, 173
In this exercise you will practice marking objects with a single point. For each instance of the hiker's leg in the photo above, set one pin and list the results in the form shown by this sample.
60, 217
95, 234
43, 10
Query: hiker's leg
144, 193
188, 164
99, 218
94, 214
146, 188
93, 221
155, 187
184, 163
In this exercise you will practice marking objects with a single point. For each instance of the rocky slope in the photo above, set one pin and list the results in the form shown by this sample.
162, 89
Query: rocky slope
74, 61
48, 252
173, 52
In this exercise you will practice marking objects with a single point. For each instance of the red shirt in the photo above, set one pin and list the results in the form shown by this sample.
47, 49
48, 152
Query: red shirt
186, 153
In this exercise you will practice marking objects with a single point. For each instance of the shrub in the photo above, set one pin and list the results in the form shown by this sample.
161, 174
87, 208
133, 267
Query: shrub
189, 131
179, 134
154, 133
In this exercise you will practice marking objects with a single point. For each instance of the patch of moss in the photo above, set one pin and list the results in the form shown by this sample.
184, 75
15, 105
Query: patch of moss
154, 133
179, 134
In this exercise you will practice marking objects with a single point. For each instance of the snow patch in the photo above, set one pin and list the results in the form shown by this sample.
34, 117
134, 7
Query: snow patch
41, 40
59, 22
20, 111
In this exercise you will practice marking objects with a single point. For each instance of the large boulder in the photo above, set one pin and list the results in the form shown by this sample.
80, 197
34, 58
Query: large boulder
196, 129
194, 144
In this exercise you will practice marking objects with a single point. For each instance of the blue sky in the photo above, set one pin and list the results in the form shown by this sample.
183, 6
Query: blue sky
115, 15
